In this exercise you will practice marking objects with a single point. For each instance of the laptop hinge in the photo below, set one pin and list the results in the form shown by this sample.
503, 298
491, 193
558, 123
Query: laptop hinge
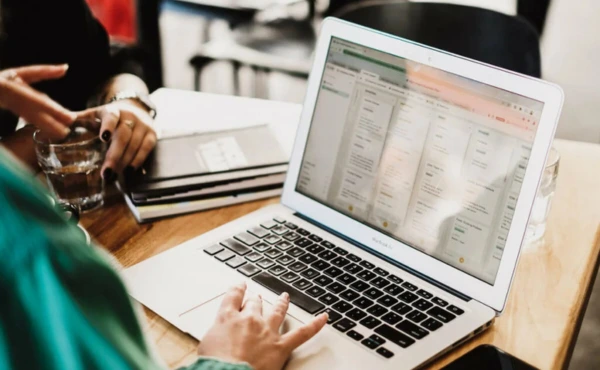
386, 258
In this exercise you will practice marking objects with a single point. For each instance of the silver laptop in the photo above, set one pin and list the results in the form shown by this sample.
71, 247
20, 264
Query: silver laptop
409, 189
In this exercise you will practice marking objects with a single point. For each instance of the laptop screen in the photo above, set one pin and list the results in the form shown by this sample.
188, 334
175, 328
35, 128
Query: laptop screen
430, 158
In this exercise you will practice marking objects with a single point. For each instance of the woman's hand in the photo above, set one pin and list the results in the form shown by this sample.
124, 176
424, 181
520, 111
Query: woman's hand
241, 334
34, 107
128, 128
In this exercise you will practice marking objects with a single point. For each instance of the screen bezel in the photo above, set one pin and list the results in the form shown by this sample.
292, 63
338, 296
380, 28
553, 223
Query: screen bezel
551, 95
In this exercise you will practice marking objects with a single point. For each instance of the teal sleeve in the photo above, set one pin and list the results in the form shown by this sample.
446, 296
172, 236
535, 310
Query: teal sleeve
212, 364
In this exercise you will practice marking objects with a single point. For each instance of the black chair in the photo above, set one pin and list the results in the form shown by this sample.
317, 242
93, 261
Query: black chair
484, 35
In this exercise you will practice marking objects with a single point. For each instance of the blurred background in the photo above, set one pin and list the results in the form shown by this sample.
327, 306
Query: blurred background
263, 48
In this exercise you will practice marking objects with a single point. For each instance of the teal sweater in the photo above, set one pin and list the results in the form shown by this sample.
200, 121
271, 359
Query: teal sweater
62, 306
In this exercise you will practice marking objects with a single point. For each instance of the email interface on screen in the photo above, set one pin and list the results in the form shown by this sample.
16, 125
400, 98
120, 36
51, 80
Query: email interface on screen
430, 158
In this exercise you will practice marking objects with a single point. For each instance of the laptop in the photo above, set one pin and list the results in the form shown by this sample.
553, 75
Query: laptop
405, 206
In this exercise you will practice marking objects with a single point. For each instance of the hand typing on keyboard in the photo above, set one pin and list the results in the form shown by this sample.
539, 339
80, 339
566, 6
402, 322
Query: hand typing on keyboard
241, 333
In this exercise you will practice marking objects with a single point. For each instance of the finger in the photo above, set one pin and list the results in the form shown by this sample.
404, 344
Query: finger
33, 74
296, 338
110, 116
234, 297
148, 144
279, 311
48, 125
137, 137
23, 97
117, 147
253, 305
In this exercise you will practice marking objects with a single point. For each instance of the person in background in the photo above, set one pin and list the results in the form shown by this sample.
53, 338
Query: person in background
68, 54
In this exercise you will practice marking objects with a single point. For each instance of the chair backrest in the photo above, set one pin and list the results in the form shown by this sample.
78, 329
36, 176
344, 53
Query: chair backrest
484, 35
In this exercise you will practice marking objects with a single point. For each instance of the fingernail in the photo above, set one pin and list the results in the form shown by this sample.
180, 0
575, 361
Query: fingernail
286, 296
260, 297
129, 169
325, 315
106, 135
65, 66
66, 131
108, 175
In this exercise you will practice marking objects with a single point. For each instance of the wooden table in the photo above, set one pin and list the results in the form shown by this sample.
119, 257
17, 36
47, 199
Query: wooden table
546, 304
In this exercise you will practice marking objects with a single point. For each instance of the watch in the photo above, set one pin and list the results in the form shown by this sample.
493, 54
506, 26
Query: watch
143, 99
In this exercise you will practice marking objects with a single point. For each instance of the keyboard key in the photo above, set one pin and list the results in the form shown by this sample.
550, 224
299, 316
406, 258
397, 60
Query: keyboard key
381, 272
340, 262
323, 280
393, 290
303, 242
441, 314
431, 324
333, 316
355, 335
283, 245
370, 322
402, 308
272, 239
333, 271
315, 249
315, 238
277, 270
422, 305
363, 303
394, 336
269, 224
279, 219
367, 264
315, 291
340, 251
439, 302
289, 277
296, 297
254, 256
366, 275
236, 262
247, 238
291, 237
224, 255
373, 293
455, 310
249, 270
353, 268
295, 252
409, 286
349, 295
377, 310
346, 279
265, 263
308, 258
302, 284
354, 258
356, 314
291, 226
391, 318
336, 288
359, 286
344, 325
342, 306
369, 343
303, 232
285, 260
273, 253
320, 265
416, 316
377, 339
380, 282
213, 249
261, 247
425, 294
327, 244
387, 300
395, 279
279, 230
385, 352
310, 273
408, 297
328, 299
328, 255
412, 329
297, 266
236, 247
258, 231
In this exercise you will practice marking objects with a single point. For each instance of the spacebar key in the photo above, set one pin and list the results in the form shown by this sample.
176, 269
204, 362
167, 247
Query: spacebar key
297, 297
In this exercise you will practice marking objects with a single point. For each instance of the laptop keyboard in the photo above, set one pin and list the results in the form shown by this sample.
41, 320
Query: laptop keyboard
322, 277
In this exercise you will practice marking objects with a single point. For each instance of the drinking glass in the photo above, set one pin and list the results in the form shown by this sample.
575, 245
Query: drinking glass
72, 165
543, 199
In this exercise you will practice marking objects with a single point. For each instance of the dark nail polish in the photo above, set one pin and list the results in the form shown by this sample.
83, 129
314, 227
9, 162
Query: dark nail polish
129, 169
108, 175
106, 135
